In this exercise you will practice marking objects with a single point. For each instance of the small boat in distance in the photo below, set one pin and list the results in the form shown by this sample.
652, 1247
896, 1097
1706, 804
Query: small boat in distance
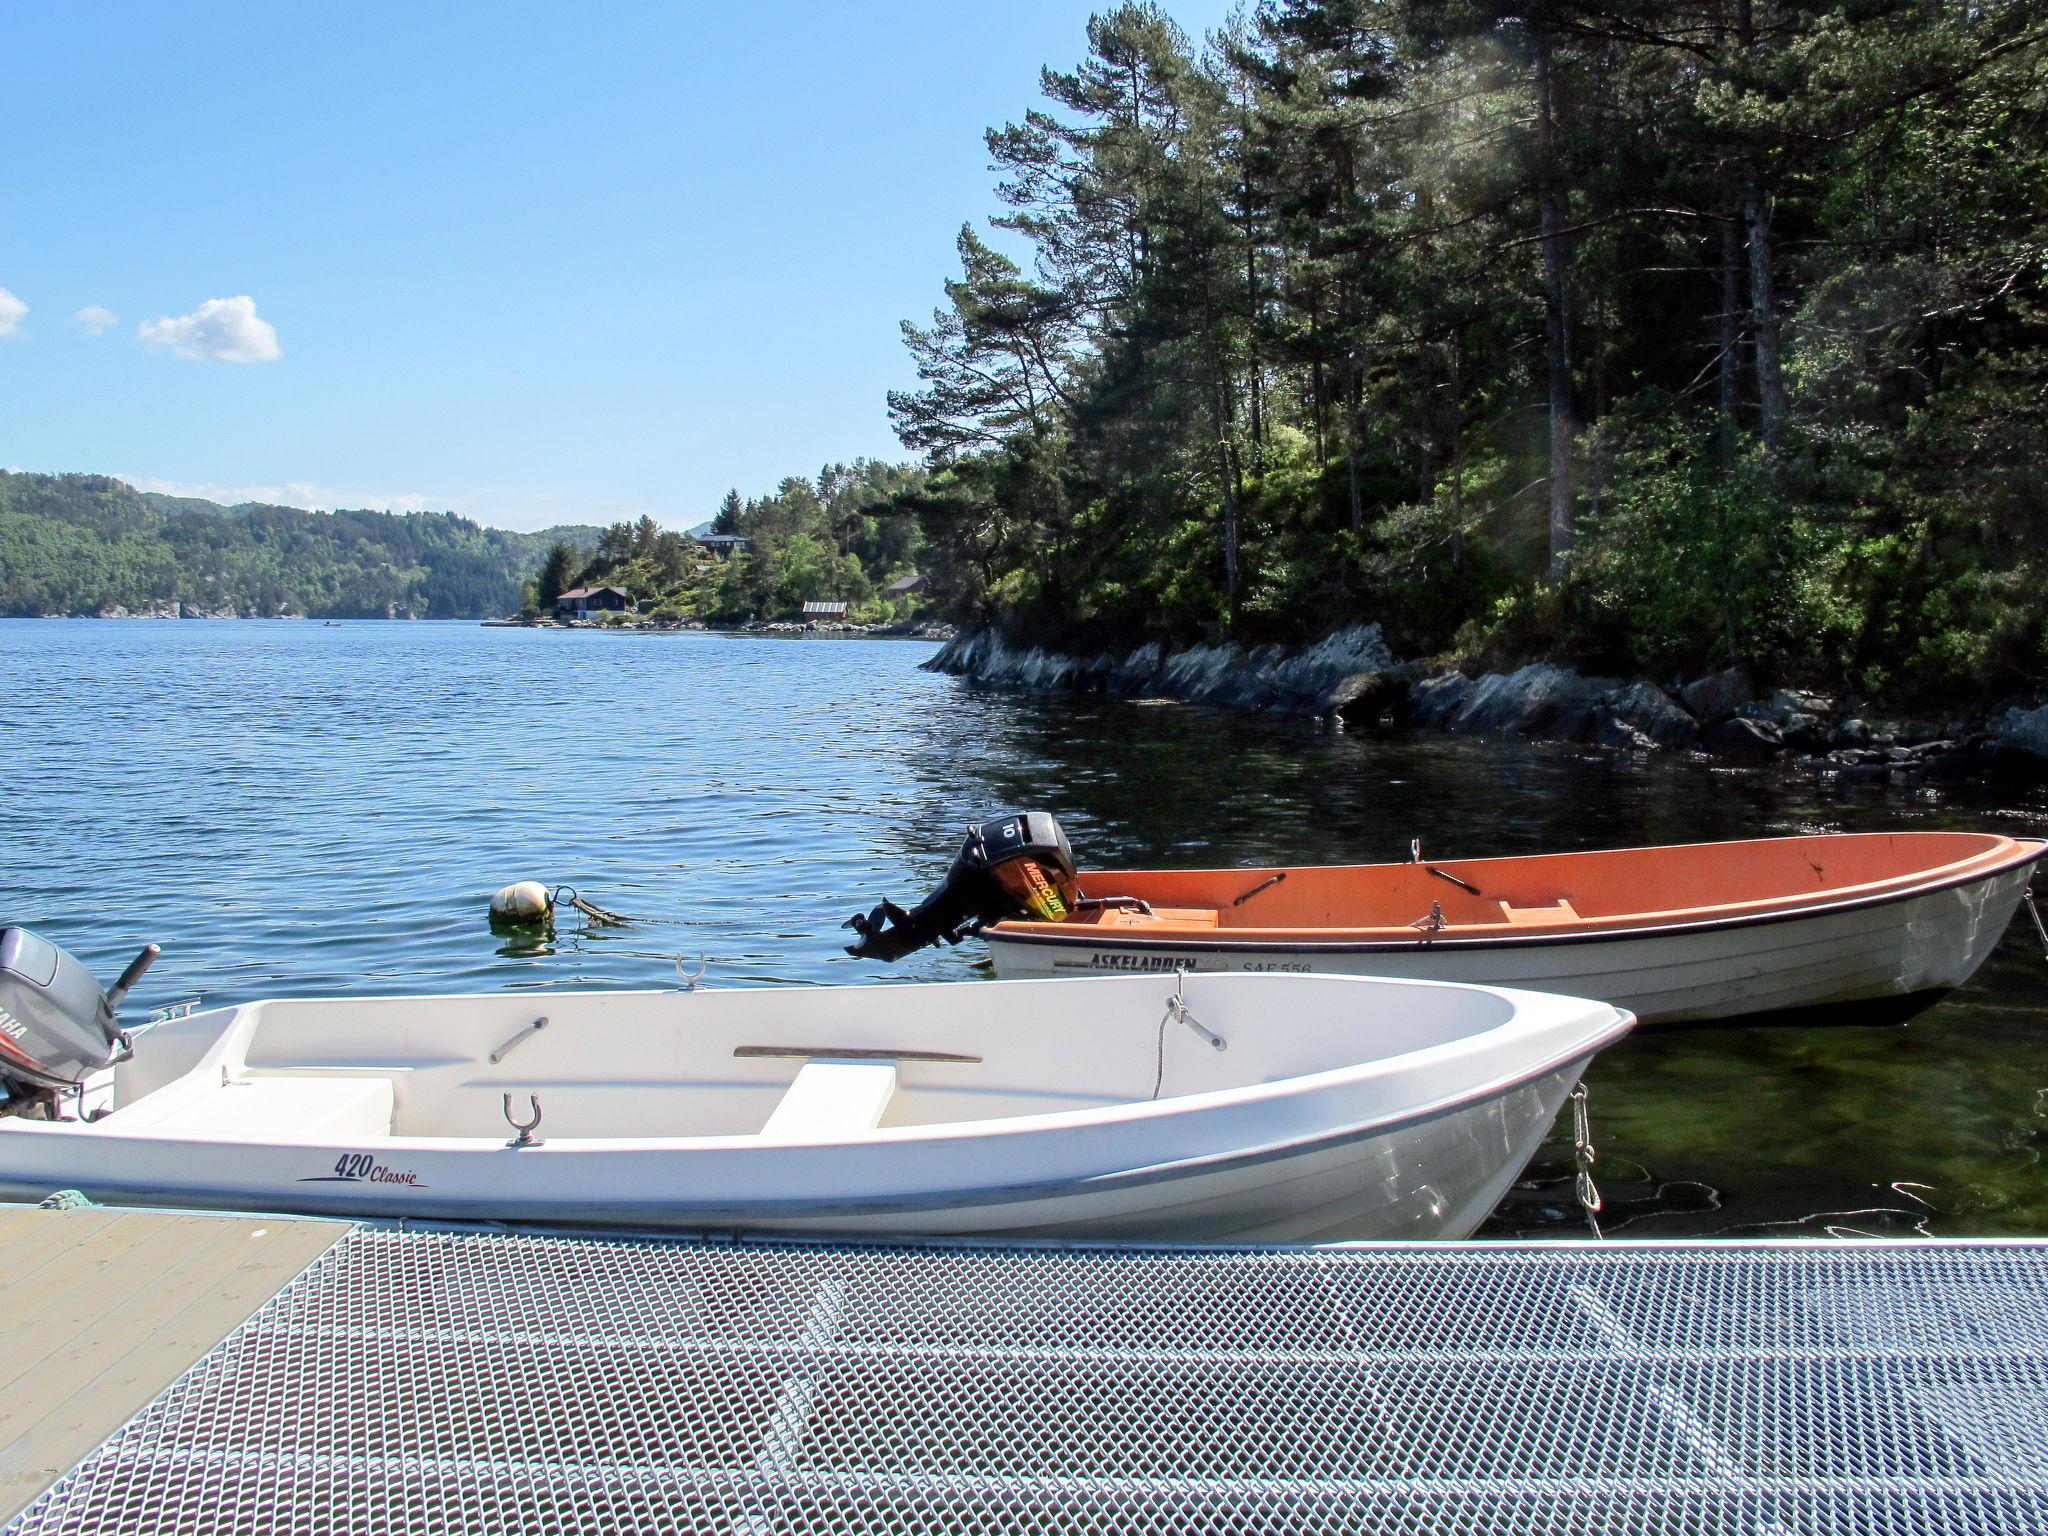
1213, 1107
1832, 928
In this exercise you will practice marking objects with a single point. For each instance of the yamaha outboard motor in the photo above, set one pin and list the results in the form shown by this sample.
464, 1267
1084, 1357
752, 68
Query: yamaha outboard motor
1014, 866
56, 1026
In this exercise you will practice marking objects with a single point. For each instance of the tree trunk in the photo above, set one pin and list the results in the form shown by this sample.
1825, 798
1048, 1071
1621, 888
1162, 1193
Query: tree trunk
1731, 340
1251, 315
1763, 306
1227, 478
1351, 442
1220, 418
1457, 450
1763, 288
1315, 385
1557, 355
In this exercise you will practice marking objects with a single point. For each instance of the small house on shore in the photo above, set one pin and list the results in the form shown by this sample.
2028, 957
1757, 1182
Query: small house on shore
821, 613
903, 586
581, 602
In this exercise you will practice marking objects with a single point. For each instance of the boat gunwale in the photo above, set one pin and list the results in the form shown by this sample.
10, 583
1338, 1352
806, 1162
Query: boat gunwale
1587, 1041
943, 1198
1507, 935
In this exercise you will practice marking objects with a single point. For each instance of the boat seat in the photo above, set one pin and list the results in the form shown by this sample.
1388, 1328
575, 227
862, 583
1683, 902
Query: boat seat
1179, 917
284, 1108
1559, 911
832, 1099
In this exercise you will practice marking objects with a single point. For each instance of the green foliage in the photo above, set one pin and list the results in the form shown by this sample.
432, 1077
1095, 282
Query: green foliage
87, 543
556, 573
833, 539
1279, 355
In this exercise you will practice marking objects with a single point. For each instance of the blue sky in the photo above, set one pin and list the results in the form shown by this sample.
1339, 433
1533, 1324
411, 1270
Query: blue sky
537, 264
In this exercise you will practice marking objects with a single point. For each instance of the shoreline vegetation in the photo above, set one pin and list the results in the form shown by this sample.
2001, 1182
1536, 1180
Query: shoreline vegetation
1616, 340
1636, 339
92, 546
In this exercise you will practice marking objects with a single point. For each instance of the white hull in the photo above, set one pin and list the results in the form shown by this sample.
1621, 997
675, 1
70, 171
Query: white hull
1893, 957
1437, 1111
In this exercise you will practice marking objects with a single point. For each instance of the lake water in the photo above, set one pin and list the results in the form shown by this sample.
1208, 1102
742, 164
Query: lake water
297, 808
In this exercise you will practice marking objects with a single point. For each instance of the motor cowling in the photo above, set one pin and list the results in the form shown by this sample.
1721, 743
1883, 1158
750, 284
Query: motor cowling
1018, 865
57, 1026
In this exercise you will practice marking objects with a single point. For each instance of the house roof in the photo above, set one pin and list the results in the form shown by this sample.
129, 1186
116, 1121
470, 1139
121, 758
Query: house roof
831, 610
591, 592
908, 583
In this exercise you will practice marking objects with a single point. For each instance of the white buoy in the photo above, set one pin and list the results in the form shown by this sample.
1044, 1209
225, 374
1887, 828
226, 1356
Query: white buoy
525, 902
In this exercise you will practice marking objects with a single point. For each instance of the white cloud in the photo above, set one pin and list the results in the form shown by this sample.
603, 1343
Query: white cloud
223, 330
93, 319
11, 311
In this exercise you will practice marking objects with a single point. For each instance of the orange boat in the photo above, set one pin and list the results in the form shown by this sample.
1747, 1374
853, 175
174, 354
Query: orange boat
1842, 927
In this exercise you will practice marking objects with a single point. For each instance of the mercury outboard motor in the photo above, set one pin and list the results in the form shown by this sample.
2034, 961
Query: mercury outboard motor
1014, 866
56, 1026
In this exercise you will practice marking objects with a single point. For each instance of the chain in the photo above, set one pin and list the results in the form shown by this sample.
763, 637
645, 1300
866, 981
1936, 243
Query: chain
1584, 1155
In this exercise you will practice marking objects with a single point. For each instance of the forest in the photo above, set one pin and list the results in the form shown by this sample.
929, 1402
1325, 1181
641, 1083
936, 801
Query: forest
838, 537
90, 544
1648, 335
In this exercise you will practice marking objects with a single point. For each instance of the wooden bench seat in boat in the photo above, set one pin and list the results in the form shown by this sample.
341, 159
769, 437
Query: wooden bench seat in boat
1179, 917
1559, 911
285, 1107
831, 1100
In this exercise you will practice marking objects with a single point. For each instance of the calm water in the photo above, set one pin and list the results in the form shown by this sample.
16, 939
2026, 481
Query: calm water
305, 809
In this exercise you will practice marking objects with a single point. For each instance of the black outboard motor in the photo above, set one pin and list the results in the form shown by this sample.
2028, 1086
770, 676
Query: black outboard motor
56, 1026
1014, 866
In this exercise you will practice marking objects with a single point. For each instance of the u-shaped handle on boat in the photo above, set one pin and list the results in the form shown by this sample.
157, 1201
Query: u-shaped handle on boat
527, 1128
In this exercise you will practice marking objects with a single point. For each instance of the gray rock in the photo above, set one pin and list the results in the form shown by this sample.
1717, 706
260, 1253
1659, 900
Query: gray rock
1527, 701
1435, 699
1200, 673
1139, 668
1610, 730
1952, 764
2022, 730
987, 657
1853, 732
1309, 681
1365, 698
1719, 696
1743, 741
1650, 712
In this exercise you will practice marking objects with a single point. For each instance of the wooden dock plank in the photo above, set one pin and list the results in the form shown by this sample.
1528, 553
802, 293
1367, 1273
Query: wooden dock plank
134, 1298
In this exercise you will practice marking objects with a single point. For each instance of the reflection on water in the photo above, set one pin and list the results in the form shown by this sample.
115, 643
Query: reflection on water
298, 809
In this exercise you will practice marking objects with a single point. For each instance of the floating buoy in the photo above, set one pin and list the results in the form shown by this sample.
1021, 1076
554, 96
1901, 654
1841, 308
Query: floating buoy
524, 904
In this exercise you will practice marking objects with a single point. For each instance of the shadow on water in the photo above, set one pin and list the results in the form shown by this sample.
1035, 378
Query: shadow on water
299, 810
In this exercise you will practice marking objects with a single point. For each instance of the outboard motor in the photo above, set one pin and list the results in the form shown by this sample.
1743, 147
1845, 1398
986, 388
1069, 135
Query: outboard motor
56, 1026
1014, 866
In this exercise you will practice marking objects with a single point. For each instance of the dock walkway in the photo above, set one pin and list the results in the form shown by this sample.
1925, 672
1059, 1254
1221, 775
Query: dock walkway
488, 1382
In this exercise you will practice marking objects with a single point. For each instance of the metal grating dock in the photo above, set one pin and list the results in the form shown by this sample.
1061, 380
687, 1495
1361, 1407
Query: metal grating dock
421, 1382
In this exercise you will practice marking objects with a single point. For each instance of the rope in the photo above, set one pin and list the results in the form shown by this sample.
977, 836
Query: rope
2034, 912
1584, 1156
590, 910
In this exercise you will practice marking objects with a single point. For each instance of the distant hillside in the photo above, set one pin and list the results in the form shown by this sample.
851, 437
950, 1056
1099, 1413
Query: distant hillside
90, 544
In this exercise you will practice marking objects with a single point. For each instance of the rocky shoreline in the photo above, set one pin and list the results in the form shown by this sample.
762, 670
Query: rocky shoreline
1352, 678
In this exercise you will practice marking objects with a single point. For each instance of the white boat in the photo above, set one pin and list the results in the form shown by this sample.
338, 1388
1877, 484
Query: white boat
1254, 1107
1862, 928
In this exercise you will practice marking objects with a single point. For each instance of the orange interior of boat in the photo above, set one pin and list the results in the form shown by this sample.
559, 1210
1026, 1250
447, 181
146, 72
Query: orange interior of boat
1524, 897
